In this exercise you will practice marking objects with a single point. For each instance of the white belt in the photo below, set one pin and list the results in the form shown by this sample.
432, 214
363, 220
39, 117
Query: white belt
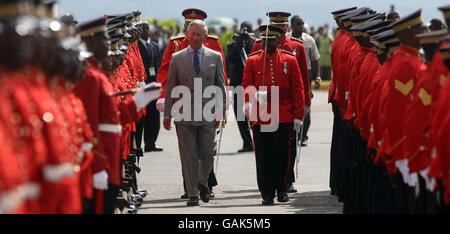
114, 128
54, 173
10, 200
86, 147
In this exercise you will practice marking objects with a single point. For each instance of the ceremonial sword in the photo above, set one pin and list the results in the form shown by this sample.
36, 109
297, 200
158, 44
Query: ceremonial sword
264, 71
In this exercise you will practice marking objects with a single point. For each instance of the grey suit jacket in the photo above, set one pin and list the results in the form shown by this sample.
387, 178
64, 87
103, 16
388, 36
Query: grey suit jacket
182, 74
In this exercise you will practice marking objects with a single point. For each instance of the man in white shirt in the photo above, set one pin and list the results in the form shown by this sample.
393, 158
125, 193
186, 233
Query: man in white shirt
313, 56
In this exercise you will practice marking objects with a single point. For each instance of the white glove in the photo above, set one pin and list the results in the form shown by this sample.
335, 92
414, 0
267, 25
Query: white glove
55, 173
261, 96
142, 97
160, 104
101, 180
247, 109
430, 181
297, 124
402, 166
140, 84
412, 179
307, 109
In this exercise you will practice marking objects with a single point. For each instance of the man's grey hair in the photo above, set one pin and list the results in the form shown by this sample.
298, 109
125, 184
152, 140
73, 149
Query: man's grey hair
199, 23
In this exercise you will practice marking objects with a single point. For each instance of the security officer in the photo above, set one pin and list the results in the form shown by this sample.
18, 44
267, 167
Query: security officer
151, 122
242, 43
272, 147
312, 56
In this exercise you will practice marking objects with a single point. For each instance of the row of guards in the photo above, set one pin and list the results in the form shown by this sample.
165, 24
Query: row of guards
71, 95
390, 146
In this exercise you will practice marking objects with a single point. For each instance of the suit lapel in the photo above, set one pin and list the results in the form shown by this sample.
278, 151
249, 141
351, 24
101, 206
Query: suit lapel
204, 65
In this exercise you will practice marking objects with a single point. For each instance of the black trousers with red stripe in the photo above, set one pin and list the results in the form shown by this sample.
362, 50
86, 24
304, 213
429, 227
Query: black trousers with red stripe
104, 201
272, 159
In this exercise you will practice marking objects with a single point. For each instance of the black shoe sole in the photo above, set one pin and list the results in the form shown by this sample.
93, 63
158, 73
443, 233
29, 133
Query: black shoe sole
267, 203
245, 151
283, 199
192, 203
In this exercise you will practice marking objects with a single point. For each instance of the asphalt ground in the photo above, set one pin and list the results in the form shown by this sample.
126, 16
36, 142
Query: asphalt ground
237, 192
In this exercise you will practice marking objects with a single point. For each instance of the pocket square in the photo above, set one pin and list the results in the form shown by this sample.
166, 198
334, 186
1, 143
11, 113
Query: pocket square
212, 65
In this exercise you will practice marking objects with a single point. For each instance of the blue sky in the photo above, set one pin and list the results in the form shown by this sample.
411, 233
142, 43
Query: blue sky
315, 12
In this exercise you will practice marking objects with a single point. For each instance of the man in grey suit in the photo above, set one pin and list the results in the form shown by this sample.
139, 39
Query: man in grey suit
197, 74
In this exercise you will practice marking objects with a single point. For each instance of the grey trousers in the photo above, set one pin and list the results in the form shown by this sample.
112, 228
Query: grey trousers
196, 146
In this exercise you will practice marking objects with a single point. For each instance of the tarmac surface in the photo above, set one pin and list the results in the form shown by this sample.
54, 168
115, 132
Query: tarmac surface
237, 192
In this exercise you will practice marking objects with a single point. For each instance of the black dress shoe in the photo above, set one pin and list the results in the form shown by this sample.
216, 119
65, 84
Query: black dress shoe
267, 202
211, 194
283, 197
304, 142
243, 150
143, 193
139, 152
184, 196
147, 149
193, 201
291, 189
205, 194
157, 149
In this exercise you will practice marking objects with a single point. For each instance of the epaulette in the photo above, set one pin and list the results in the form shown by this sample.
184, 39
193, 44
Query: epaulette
287, 52
258, 40
256, 52
213, 37
176, 38
297, 39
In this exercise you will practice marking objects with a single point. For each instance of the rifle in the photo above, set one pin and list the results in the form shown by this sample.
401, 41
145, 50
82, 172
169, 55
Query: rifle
157, 86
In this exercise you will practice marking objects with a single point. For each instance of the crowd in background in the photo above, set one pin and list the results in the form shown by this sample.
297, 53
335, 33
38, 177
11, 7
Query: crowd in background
323, 35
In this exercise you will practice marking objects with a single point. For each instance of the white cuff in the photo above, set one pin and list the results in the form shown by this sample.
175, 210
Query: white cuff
114, 128
11, 199
160, 104
55, 173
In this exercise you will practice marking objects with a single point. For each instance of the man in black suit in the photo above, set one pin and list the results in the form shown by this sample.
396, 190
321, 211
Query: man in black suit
151, 58
235, 68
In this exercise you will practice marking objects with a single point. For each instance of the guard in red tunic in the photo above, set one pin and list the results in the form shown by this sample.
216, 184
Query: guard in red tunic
333, 98
406, 68
294, 46
290, 44
417, 144
95, 90
440, 168
287, 111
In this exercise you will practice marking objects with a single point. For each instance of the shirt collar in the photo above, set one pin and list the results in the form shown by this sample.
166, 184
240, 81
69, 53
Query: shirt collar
191, 51
409, 50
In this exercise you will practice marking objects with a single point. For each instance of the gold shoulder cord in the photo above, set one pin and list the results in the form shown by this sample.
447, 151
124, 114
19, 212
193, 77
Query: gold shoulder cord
177, 46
